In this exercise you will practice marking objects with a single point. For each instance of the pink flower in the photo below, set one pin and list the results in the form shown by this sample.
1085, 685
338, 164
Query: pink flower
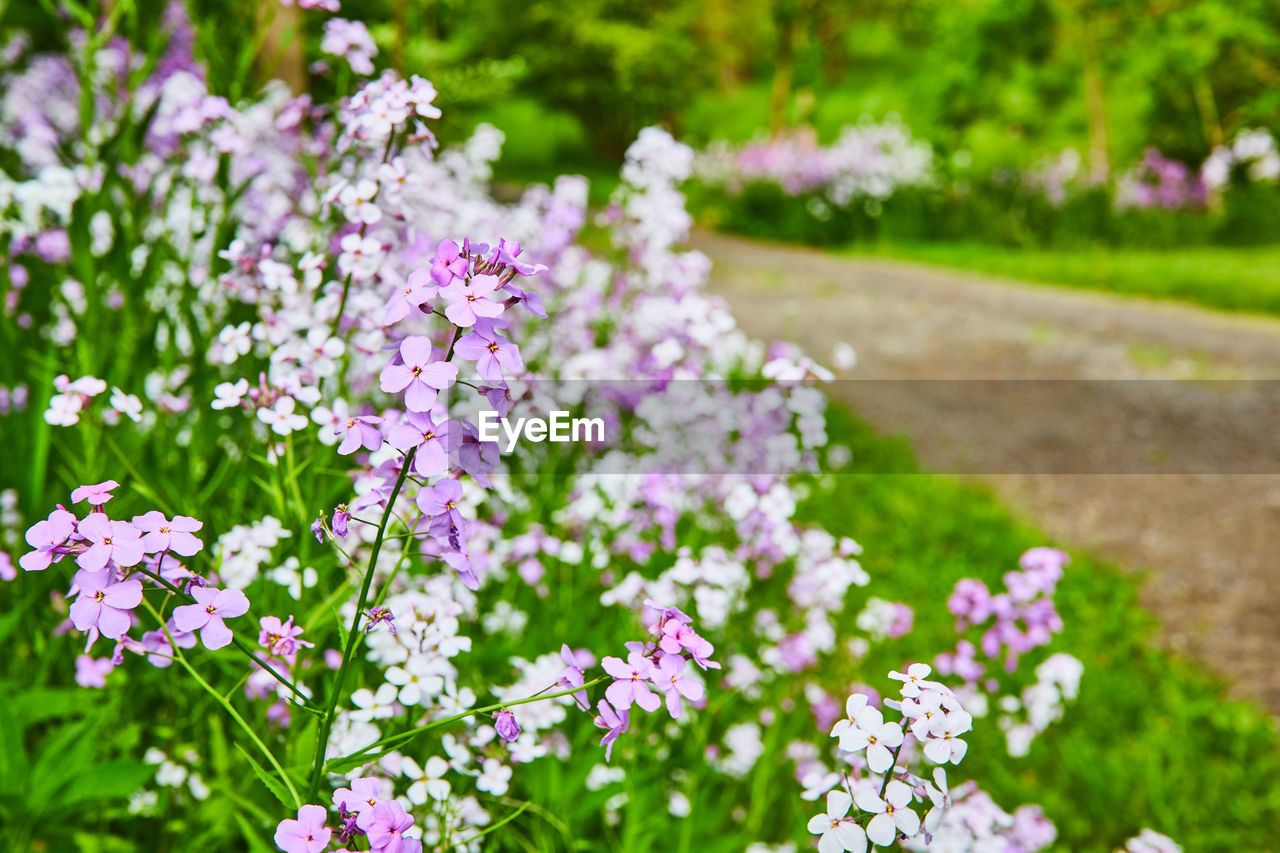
281, 638
632, 682
365, 793
96, 495
670, 678
431, 439
504, 722
104, 606
417, 374
92, 672
45, 536
468, 300
492, 353
206, 615
386, 835
307, 834
615, 722
416, 291
164, 535
447, 264
358, 432
110, 541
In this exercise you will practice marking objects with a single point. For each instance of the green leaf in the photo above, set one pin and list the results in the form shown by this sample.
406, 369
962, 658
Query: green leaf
40, 704
274, 785
113, 779
342, 628
13, 758
256, 843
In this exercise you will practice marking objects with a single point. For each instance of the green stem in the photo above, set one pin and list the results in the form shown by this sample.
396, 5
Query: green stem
240, 644
466, 842
353, 636
404, 552
227, 706
398, 740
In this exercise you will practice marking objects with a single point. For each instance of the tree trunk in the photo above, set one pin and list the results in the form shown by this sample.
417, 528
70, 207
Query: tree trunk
1095, 103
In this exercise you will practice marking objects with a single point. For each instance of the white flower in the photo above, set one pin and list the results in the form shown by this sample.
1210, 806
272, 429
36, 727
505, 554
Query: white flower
234, 341
495, 778
126, 404
64, 410
892, 814
281, 417
229, 394
170, 774
945, 744
818, 782
374, 706
872, 733
940, 796
417, 680
837, 832
429, 781
914, 679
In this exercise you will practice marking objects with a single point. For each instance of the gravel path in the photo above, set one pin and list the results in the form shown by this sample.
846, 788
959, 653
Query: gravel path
1178, 479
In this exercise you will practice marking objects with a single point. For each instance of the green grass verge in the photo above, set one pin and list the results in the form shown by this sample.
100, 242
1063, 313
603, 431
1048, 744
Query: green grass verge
1151, 741
1234, 279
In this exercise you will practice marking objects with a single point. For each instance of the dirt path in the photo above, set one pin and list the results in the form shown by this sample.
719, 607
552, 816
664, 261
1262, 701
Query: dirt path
1179, 479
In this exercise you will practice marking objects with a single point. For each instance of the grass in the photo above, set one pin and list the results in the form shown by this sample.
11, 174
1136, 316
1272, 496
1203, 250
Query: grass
1150, 741
1233, 279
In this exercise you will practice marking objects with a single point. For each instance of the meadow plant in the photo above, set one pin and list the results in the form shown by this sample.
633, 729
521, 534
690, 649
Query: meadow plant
400, 620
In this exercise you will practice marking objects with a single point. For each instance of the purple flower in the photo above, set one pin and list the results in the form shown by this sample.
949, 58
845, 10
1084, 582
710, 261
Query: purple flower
678, 636
418, 374
573, 676
159, 651
431, 439
46, 536
206, 615
447, 264
491, 352
386, 834
631, 684
307, 834
615, 722
417, 289
104, 606
507, 253
281, 638
381, 615
365, 793
531, 301
504, 722
469, 300
92, 672
109, 541
670, 678
96, 495
164, 535
340, 519
439, 503
461, 563
358, 432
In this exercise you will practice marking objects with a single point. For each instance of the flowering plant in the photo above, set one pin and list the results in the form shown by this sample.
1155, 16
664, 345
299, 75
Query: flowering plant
401, 624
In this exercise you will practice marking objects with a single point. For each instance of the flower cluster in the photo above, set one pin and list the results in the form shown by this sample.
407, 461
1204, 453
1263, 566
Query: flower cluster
868, 161
367, 294
1157, 181
930, 716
